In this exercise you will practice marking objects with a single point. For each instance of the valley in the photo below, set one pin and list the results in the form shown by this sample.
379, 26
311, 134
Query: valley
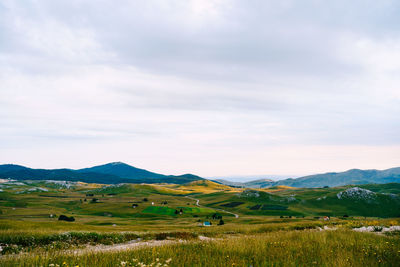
131, 220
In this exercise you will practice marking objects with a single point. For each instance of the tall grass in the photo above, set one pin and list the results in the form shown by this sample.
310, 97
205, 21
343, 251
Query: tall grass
292, 248
17, 242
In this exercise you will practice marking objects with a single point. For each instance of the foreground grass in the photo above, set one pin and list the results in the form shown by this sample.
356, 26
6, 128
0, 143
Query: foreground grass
19, 236
282, 248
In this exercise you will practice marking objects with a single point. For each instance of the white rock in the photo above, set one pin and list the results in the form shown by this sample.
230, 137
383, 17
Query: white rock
357, 193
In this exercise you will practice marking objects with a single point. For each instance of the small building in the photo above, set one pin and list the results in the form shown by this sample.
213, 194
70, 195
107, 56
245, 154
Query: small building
206, 223
152, 203
327, 218
134, 206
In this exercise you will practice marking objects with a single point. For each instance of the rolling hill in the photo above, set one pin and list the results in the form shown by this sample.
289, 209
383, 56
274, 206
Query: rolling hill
353, 176
111, 173
372, 200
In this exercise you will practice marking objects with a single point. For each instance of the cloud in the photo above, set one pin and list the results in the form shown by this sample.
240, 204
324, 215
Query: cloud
213, 87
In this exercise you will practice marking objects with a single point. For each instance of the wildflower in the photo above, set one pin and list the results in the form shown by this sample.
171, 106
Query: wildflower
123, 263
51, 264
169, 260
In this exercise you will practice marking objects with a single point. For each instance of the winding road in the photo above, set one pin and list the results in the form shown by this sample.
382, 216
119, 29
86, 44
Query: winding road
198, 204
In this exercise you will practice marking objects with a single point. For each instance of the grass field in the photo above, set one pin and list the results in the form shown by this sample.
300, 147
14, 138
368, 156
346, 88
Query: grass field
275, 227
290, 248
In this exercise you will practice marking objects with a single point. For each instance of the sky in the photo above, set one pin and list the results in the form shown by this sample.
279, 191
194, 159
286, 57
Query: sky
211, 87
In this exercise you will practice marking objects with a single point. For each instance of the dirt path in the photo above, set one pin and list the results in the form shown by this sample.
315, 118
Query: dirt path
198, 204
133, 244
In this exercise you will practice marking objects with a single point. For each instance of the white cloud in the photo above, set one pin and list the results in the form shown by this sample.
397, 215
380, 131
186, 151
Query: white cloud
211, 87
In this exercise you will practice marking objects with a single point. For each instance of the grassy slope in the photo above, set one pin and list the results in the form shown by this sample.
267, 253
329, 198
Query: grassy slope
115, 202
339, 248
26, 215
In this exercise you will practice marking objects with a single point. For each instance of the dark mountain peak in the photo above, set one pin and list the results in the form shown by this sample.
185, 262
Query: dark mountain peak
109, 173
12, 167
117, 163
134, 174
122, 170
112, 164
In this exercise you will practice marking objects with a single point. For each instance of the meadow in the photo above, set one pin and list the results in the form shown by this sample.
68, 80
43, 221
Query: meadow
161, 225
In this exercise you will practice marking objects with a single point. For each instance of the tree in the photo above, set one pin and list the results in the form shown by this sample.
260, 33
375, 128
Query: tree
66, 218
221, 222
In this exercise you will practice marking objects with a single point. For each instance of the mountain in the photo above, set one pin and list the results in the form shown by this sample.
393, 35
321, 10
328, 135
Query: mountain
353, 176
111, 173
260, 183
122, 170
229, 183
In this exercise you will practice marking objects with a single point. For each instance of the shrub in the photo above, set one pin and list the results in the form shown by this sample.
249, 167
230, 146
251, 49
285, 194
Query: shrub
66, 218
161, 236
256, 207
232, 204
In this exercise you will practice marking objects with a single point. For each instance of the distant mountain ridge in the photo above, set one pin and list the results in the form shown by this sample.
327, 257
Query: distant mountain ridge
353, 176
119, 172
111, 173
251, 184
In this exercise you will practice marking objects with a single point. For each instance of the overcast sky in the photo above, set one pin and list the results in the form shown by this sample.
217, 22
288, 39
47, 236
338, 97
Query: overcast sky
211, 87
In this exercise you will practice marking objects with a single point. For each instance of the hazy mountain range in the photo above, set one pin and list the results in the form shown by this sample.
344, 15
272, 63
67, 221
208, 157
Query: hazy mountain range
353, 176
111, 173
118, 172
